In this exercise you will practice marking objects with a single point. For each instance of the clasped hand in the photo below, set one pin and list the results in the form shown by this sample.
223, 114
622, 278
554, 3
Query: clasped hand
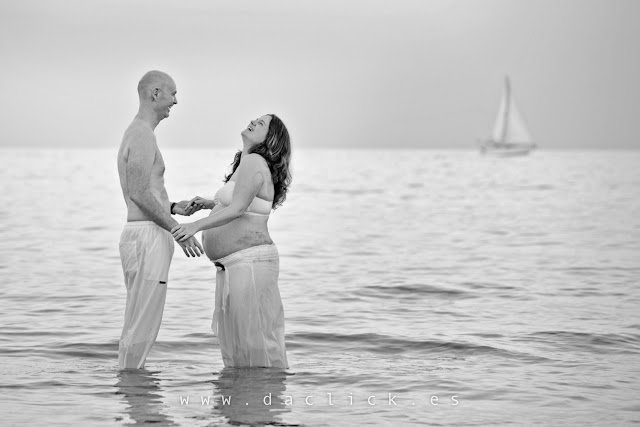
187, 207
184, 233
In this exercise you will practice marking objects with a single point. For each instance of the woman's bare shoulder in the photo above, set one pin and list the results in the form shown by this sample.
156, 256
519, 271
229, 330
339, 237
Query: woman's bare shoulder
254, 161
255, 165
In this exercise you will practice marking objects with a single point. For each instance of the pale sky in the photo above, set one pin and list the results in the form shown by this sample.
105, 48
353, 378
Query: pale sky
394, 73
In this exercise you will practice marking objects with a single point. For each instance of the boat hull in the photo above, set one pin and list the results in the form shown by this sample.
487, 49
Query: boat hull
491, 148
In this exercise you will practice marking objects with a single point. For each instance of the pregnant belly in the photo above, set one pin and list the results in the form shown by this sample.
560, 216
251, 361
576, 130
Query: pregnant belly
243, 233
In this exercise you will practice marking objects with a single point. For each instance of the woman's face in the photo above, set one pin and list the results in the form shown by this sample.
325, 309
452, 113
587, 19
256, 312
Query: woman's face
257, 130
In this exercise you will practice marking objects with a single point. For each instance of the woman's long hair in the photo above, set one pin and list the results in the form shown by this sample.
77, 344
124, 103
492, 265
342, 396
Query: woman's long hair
276, 150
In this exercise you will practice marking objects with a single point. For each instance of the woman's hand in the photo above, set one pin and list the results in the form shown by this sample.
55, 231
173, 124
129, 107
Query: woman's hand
182, 232
201, 203
186, 208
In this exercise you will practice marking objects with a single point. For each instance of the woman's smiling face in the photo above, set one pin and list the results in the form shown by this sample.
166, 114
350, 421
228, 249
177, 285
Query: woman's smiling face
257, 130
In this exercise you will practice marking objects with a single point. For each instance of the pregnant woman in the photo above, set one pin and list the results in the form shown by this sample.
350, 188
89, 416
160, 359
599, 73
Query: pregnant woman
248, 316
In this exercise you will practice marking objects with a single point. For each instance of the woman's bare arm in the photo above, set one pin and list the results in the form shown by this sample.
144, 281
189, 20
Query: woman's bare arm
251, 173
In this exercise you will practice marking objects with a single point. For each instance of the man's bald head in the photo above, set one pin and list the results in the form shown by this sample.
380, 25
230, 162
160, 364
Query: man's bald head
157, 92
152, 80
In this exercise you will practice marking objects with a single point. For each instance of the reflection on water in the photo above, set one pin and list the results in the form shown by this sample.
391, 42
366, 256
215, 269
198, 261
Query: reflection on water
252, 396
143, 395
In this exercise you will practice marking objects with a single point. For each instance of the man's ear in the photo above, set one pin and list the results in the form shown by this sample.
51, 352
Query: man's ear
155, 93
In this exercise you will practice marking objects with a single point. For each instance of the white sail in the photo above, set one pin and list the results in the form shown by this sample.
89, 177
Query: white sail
498, 127
510, 136
510, 127
516, 132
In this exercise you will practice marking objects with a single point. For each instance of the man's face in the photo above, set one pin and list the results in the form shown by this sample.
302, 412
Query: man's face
166, 98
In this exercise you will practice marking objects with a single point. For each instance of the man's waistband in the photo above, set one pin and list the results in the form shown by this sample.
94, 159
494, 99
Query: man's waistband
129, 224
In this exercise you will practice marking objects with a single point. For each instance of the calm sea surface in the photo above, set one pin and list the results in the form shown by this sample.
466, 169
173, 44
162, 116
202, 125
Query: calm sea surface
477, 291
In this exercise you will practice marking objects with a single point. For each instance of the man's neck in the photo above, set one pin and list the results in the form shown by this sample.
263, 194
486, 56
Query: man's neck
150, 117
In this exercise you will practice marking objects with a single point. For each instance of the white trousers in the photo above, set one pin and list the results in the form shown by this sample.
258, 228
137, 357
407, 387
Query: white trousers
146, 250
248, 317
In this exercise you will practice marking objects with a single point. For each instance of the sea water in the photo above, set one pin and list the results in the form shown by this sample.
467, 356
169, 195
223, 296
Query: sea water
432, 287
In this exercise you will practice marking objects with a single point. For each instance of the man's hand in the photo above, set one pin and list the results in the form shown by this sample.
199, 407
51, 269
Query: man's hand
186, 208
191, 247
182, 232
202, 202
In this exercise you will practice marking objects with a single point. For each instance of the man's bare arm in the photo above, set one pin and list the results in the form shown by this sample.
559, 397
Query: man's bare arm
139, 163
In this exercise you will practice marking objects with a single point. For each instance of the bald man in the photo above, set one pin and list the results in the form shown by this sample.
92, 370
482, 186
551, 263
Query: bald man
146, 244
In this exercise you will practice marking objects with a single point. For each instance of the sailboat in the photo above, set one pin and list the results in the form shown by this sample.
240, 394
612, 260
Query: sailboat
510, 137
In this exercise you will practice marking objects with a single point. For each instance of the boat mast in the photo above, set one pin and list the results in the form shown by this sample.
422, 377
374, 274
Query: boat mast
505, 122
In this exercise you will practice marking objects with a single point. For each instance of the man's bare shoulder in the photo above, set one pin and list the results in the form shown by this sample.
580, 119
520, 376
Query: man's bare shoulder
139, 131
138, 137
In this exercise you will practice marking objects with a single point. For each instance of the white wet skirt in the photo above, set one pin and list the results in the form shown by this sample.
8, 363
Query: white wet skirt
248, 317
146, 250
